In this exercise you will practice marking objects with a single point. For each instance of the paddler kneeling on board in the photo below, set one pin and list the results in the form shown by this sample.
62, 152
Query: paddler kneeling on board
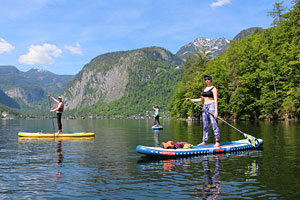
59, 108
210, 98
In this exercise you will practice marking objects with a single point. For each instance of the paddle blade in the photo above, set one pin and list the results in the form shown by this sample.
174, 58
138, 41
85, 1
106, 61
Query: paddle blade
252, 140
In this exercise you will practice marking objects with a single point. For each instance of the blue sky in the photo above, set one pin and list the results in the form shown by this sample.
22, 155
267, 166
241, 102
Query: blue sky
63, 35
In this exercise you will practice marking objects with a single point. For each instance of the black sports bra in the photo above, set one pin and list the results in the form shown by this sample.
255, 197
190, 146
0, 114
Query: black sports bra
208, 93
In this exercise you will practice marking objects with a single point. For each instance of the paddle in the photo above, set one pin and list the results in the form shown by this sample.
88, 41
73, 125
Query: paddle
252, 140
51, 117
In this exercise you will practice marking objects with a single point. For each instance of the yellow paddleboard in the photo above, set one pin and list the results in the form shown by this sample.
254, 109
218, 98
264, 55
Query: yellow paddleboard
66, 134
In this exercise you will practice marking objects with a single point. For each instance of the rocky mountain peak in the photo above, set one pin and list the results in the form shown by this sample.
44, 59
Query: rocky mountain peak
212, 46
38, 71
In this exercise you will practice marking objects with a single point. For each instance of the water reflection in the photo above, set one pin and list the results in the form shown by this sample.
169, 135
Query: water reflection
206, 182
252, 170
156, 138
211, 188
60, 155
59, 161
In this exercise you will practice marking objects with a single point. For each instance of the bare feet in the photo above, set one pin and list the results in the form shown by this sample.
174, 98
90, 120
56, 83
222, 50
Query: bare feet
202, 144
217, 144
59, 132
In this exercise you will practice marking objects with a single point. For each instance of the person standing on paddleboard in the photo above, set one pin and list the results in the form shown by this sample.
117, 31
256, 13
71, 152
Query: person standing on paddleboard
59, 108
210, 98
156, 115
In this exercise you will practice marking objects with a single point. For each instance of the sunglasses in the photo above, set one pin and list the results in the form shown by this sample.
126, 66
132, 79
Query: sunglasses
207, 79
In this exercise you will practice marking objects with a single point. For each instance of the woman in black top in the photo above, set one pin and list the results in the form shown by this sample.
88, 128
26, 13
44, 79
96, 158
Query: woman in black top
210, 98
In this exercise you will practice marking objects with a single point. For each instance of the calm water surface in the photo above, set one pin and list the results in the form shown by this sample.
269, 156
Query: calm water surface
108, 167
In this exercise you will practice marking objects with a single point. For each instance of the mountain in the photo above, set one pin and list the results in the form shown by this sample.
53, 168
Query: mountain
212, 46
247, 32
30, 87
6, 100
8, 69
125, 82
47, 79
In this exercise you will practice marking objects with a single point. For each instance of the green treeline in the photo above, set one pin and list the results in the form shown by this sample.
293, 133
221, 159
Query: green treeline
257, 77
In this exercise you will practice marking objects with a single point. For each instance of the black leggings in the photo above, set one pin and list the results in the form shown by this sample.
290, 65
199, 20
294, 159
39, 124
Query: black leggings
59, 121
156, 119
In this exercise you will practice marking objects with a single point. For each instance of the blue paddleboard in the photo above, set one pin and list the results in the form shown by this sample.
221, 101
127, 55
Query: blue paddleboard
157, 127
225, 147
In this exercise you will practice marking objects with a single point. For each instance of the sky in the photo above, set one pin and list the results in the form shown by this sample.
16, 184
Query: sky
62, 36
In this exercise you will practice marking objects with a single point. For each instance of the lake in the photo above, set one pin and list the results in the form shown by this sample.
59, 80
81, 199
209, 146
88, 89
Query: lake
108, 167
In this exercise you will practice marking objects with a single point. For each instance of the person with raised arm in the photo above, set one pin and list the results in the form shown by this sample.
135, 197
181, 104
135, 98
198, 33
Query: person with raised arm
59, 108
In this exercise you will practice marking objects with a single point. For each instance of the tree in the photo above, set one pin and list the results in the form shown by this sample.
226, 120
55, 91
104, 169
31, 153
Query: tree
295, 21
277, 12
190, 86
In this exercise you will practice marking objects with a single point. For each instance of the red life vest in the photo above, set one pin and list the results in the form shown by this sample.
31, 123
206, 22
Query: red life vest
61, 109
168, 145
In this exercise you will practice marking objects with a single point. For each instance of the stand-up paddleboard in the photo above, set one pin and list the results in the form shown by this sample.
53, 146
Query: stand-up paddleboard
64, 134
157, 127
225, 147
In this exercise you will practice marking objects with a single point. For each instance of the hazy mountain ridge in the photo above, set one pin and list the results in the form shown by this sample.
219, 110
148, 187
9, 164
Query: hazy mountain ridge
31, 86
247, 32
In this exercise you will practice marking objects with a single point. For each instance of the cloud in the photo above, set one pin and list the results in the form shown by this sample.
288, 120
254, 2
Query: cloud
219, 3
5, 46
76, 50
40, 54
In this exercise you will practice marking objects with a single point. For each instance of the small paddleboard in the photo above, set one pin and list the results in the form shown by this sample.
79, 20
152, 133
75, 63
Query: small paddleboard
64, 134
225, 147
157, 127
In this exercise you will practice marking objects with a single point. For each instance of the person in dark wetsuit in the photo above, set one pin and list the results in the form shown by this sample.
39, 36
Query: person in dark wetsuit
210, 98
59, 108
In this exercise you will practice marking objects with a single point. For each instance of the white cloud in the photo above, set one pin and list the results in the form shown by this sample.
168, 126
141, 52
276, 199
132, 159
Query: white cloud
5, 46
76, 50
40, 54
219, 3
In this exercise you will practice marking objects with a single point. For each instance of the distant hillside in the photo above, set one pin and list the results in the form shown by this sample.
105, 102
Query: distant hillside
31, 86
6, 100
124, 83
8, 69
247, 32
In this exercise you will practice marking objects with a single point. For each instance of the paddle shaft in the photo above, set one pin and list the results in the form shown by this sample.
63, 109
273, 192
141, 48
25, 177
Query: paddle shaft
51, 117
250, 138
